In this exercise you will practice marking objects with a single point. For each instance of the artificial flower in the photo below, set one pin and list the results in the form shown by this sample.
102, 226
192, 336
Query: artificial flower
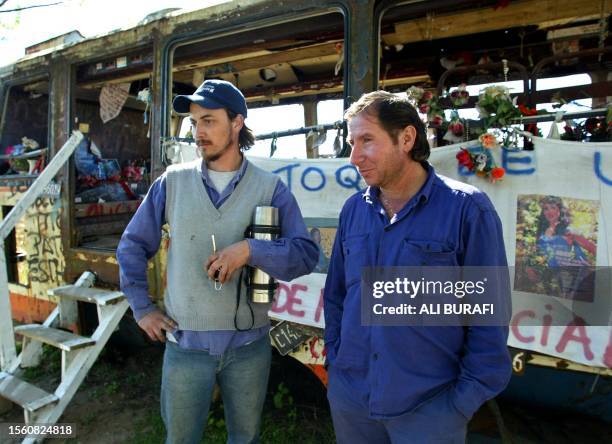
456, 127
436, 120
427, 95
424, 108
530, 127
459, 96
488, 141
496, 107
465, 159
497, 173
415, 94
427, 103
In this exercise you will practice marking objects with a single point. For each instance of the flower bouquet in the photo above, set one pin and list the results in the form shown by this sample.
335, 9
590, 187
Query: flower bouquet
427, 103
480, 160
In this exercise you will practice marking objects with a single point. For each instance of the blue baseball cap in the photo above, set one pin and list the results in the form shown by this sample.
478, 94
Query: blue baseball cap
213, 94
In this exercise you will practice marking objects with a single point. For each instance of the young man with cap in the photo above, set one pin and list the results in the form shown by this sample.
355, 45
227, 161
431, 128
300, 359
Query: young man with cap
214, 333
401, 383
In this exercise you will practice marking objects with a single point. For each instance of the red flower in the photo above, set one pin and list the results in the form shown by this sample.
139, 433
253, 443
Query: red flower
465, 159
427, 96
456, 128
497, 173
424, 108
437, 120
488, 140
527, 111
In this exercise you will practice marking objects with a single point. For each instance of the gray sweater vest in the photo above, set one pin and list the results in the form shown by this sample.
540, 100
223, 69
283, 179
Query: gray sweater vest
191, 298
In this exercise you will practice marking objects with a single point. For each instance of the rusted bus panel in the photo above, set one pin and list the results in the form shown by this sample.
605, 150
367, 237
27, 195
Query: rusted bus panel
156, 111
220, 17
65, 39
27, 309
44, 249
104, 46
59, 120
361, 56
102, 263
312, 354
106, 208
45, 262
320, 372
38, 235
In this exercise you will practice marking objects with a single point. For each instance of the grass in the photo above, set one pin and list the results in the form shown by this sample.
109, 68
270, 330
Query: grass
283, 422
50, 364
294, 411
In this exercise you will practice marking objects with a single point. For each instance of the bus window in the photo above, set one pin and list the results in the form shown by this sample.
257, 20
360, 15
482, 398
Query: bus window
281, 69
267, 120
439, 50
571, 106
112, 165
330, 111
25, 132
25, 126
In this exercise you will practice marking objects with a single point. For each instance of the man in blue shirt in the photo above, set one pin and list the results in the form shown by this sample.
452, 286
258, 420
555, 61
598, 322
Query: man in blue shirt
215, 334
404, 384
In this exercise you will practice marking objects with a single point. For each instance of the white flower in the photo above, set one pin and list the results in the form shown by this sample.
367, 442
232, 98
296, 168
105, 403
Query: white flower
415, 93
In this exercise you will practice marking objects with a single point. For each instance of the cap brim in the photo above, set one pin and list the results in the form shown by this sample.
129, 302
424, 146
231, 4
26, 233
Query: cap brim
181, 104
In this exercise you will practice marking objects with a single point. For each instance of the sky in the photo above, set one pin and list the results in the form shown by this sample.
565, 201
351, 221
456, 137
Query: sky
90, 17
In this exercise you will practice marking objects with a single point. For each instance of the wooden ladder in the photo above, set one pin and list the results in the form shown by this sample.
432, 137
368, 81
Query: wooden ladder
78, 353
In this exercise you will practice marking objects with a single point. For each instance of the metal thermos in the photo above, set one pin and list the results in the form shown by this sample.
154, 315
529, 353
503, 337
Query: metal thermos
265, 227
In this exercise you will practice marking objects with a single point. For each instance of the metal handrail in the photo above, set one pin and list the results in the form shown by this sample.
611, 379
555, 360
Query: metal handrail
277, 134
485, 66
549, 117
27, 155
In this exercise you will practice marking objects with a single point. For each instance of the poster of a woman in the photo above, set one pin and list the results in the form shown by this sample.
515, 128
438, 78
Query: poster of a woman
556, 243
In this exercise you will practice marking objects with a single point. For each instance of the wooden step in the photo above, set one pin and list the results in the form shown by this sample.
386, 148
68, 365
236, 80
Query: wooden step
24, 394
93, 295
57, 338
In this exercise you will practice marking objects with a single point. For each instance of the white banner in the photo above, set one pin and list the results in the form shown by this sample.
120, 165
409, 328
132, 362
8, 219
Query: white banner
301, 300
579, 176
573, 179
321, 186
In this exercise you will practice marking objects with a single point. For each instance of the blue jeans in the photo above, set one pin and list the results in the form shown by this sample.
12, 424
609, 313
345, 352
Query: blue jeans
188, 379
435, 421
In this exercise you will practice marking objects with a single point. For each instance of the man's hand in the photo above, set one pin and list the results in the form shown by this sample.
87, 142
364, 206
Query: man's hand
227, 261
155, 323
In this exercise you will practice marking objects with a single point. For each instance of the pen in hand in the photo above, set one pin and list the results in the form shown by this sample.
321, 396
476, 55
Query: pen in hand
216, 276
214, 245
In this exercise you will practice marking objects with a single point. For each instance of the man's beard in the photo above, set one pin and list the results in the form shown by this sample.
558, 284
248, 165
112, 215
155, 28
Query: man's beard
212, 157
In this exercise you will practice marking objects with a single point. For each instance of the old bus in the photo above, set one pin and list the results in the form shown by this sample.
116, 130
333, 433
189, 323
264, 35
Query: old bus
299, 64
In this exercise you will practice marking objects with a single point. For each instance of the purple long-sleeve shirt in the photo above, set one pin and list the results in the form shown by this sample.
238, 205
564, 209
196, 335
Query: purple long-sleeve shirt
293, 254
